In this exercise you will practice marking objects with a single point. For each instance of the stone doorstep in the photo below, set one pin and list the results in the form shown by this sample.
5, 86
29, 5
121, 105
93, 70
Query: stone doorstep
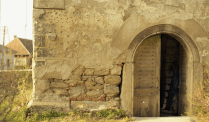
165, 119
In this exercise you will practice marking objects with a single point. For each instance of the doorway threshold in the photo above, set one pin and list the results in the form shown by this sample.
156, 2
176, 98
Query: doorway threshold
165, 119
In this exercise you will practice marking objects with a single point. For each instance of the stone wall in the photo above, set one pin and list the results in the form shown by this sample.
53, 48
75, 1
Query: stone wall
79, 45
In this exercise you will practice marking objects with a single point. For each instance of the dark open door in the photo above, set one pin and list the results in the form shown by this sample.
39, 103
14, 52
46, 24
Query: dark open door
147, 78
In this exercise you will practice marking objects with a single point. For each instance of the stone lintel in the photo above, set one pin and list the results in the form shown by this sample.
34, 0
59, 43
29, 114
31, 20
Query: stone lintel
50, 4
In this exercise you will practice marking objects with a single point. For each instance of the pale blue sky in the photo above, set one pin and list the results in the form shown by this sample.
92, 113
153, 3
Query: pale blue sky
13, 15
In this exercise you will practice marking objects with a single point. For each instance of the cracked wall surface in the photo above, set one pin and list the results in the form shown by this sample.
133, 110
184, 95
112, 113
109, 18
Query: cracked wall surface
69, 34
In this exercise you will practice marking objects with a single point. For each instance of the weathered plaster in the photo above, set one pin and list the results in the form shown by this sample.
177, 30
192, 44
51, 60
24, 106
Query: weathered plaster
76, 40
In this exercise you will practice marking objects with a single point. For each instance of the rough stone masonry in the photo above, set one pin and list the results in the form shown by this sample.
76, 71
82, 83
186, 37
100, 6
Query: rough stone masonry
81, 46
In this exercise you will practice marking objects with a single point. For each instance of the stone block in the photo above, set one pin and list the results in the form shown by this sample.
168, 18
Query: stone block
42, 52
75, 77
41, 85
51, 36
70, 82
99, 80
44, 28
53, 4
103, 96
58, 80
112, 80
49, 91
72, 85
87, 98
90, 82
80, 98
97, 86
94, 105
60, 91
112, 98
78, 71
111, 91
73, 99
95, 93
80, 83
39, 63
116, 70
76, 91
58, 85
65, 99
39, 40
89, 72
98, 99
101, 72
37, 13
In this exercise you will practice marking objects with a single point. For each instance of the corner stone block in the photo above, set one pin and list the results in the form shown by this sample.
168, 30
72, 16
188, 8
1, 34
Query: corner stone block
41, 85
39, 40
51, 36
41, 52
112, 80
60, 91
37, 13
43, 28
39, 63
53, 4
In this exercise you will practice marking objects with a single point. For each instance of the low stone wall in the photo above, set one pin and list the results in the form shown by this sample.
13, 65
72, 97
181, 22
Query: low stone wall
86, 89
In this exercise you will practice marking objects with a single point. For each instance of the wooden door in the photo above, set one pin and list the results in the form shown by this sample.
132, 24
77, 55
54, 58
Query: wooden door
147, 78
182, 84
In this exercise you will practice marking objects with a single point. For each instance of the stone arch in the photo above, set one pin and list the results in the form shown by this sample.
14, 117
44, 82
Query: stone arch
136, 29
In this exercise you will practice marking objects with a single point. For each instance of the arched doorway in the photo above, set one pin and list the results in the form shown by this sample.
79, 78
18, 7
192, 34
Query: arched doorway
192, 62
160, 75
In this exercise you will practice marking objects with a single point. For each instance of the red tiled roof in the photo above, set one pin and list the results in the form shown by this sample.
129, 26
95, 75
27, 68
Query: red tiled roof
18, 46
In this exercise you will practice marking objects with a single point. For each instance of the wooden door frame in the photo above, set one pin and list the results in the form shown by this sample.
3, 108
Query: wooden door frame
185, 40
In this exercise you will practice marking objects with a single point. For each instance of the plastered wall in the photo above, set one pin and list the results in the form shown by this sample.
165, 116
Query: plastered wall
73, 34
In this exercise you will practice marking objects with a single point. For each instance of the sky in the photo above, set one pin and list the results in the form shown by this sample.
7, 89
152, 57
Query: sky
15, 15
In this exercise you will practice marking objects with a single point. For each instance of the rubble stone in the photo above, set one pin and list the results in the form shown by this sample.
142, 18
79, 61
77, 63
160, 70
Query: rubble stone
112, 80
116, 70
60, 91
89, 72
90, 82
111, 91
58, 85
97, 86
76, 91
95, 93
99, 80
101, 72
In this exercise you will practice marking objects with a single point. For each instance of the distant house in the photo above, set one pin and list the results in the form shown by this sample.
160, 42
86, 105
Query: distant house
24, 48
7, 56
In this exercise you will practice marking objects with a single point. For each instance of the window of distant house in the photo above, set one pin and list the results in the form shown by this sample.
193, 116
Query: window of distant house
8, 63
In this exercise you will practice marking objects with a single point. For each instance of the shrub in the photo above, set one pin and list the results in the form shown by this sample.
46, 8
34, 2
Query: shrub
200, 100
